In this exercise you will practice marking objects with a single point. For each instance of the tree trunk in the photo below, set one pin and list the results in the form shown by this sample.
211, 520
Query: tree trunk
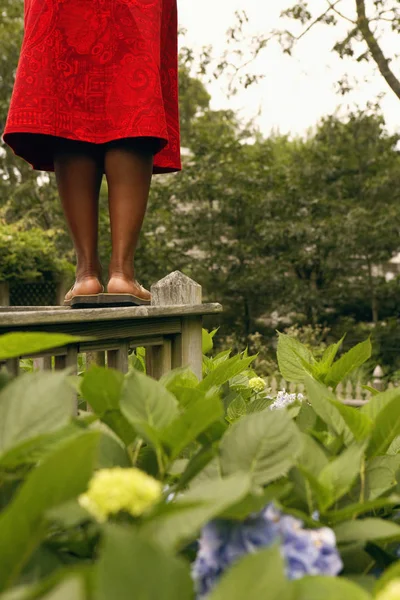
374, 300
375, 49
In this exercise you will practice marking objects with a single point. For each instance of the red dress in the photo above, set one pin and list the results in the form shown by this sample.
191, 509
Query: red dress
96, 71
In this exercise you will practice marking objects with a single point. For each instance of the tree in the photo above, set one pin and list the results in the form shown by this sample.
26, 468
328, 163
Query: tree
366, 30
342, 212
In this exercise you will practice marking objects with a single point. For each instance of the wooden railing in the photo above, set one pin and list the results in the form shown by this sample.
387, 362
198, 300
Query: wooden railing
170, 329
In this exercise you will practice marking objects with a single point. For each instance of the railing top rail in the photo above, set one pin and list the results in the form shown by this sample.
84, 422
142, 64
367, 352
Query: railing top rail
47, 315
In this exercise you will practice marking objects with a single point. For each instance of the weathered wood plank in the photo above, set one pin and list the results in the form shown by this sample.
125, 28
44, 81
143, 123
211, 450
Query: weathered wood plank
69, 359
12, 366
95, 358
67, 315
43, 363
106, 330
98, 346
158, 359
191, 345
4, 294
176, 289
119, 359
186, 348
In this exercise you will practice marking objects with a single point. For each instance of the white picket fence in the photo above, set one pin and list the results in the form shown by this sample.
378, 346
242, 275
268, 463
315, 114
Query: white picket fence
350, 393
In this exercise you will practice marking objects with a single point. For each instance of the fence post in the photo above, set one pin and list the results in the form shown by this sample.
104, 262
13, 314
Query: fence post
119, 359
62, 288
186, 347
377, 382
4, 293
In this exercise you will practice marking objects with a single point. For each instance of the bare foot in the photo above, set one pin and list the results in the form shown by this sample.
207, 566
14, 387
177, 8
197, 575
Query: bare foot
85, 287
118, 284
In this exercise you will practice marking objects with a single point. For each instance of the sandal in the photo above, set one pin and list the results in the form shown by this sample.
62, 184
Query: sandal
123, 299
83, 300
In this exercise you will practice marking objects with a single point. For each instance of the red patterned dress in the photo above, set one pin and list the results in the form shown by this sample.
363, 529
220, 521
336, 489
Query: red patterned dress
96, 71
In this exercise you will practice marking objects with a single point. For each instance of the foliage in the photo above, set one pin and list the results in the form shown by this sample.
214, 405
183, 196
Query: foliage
219, 454
29, 255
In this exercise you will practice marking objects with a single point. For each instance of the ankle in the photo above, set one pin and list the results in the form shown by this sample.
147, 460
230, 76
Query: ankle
88, 270
121, 271
87, 274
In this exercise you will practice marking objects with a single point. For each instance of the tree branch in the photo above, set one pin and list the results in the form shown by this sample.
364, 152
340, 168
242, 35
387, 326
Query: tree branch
317, 20
375, 49
335, 10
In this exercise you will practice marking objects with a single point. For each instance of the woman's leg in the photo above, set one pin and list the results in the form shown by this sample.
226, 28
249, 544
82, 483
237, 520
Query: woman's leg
79, 173
128, 166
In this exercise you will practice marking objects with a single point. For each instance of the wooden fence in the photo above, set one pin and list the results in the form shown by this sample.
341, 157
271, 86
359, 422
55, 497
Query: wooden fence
350, 393
170, 329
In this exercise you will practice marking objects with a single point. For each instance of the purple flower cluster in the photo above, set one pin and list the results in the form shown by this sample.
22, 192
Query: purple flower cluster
222, 543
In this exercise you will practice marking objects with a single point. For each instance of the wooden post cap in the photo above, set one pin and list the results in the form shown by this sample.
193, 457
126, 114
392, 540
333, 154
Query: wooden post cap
175, 288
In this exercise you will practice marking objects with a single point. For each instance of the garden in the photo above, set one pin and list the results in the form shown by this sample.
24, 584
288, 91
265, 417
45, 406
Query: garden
119, 486
210, 489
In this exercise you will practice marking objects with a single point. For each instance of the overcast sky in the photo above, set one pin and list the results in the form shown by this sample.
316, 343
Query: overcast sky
297, 90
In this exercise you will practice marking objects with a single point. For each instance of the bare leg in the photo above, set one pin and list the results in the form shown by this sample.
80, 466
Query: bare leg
79, 174
128, 166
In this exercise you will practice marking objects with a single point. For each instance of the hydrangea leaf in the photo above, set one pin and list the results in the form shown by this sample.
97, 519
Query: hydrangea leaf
182, 383
102, 389
381, 475
195, 508
236, 409
349, 361
329, 354
225, 371
289, 354
259, 575
147, 405
339, 475
132, 567
328, 588
367, 529
319, 397
354, 510
34, 404
60, 477
13, 345
264, 444
258, 405
71, 587
189, 425
386, 427
207, 341
378, 402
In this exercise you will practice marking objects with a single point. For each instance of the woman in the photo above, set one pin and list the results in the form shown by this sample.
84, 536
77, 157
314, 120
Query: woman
96, 92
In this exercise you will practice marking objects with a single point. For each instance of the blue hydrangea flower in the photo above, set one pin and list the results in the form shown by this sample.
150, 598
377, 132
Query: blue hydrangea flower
222, 543
285, 399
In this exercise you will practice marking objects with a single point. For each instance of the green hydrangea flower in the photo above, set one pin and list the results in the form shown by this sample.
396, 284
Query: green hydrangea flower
257, 384
391, 591
113, 490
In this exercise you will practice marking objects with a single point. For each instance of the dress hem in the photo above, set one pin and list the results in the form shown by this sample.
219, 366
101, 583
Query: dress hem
49, 166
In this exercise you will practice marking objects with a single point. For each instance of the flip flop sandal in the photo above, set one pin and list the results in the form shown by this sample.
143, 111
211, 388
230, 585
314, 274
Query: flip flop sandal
116, 299
83, 300
107, 300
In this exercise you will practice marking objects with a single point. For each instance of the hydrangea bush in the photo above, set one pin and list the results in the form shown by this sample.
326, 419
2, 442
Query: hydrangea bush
305, 551
181, 488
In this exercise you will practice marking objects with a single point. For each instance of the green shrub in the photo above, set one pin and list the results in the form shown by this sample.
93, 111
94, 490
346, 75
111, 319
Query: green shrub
217, 450
29, 255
